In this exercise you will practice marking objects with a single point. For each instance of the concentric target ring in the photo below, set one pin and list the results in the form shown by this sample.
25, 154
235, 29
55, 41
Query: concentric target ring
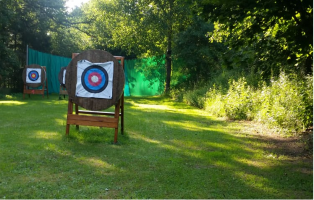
33, 75
94, 79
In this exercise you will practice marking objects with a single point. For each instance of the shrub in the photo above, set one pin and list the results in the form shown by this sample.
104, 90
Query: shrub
286, 103
238, 101
196, 97
215, 102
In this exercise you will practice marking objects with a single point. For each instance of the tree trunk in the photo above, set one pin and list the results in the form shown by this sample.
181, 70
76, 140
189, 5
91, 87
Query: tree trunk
169, 48
168, 63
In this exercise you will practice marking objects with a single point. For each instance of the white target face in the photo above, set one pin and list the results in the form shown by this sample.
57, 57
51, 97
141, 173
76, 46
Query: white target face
63, 77
33, 75
94, 79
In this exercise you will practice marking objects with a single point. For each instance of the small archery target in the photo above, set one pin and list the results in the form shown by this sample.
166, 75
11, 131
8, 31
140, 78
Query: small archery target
33, 75
94, 79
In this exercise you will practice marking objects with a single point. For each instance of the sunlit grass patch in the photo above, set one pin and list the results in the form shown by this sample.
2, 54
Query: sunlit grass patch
12, 102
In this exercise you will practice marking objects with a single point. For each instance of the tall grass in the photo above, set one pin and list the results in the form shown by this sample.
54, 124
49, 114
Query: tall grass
285, 103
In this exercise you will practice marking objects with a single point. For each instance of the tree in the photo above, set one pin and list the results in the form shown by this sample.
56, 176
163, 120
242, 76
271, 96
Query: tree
280, 32
199, 58
142, 27
22, 23
69, 36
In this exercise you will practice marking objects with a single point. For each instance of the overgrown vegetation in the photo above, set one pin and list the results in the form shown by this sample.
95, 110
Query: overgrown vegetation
286, 102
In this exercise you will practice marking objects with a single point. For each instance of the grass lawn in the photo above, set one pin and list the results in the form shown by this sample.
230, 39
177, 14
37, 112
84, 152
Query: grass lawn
169, 150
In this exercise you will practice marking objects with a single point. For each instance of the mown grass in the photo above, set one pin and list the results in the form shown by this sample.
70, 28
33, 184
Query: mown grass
168, 150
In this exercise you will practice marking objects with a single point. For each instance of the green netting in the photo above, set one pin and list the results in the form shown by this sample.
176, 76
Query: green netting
143, 77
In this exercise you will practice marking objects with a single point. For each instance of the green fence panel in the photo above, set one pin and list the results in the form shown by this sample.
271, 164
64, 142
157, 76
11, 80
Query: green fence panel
136, 83
53, 65
141, 85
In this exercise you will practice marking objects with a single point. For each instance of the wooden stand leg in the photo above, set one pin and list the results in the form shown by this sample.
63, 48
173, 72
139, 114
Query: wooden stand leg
70, 111
76, 112
116, 115
122, 113
24, 91
47, 88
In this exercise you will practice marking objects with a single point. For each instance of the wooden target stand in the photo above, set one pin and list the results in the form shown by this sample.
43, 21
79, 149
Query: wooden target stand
62, 91
94, 106
33, 88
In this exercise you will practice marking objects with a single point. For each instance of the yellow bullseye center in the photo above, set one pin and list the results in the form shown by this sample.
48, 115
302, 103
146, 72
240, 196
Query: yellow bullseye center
94, 79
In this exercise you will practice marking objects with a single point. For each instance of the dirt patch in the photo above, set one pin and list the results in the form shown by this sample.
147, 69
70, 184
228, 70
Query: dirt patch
298, 146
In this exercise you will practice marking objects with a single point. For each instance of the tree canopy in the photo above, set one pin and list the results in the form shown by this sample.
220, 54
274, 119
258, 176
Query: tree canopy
204, 37
280, 32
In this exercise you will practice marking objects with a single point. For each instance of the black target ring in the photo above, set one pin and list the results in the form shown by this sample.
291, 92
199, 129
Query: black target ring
94, 79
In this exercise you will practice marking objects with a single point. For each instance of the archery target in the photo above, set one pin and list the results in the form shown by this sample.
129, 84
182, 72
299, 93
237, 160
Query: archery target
33, 75
94, 79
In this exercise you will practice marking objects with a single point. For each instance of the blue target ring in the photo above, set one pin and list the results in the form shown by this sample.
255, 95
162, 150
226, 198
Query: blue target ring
94, 79
33, 75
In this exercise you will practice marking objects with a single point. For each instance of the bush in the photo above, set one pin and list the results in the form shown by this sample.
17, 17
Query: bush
214, 103
196, 97
286, 103
238, 101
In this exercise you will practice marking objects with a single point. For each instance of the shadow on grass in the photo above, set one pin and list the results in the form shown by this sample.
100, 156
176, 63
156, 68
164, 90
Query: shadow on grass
169, 150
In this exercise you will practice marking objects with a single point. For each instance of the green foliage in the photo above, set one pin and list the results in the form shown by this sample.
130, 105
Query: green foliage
214, 103
287, 103
196, 58
280, 33
153, 69
196, 97
238, 100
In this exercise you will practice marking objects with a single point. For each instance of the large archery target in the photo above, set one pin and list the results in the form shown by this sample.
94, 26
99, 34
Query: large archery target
94, 80
34, 75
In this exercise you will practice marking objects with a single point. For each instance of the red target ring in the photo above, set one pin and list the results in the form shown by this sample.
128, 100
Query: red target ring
95, 79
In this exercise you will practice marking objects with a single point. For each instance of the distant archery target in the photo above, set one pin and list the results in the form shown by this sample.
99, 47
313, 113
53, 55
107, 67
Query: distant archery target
34, 75
61, 76
94, 79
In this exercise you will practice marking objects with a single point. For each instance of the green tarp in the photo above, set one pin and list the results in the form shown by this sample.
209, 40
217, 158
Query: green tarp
136, 83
